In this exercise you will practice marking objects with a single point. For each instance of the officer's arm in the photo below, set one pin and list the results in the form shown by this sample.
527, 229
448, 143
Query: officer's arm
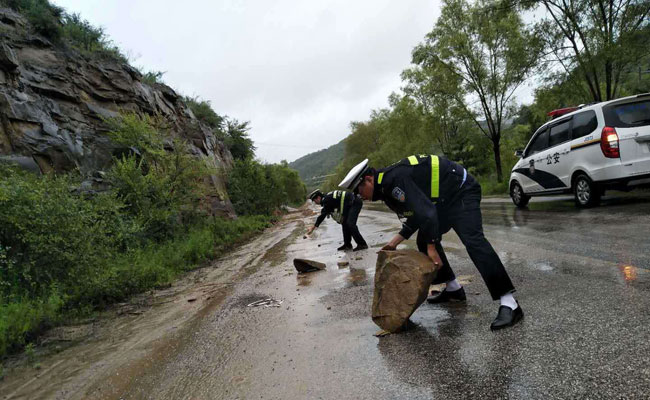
328, 208
424, 215
321, 217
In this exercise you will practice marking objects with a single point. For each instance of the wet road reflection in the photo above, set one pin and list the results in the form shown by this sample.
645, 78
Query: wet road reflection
616, 231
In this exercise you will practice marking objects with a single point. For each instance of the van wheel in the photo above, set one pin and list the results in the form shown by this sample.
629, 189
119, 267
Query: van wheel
518, 196
586, 192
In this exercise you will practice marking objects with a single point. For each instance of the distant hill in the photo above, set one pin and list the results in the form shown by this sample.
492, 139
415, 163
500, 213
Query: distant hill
313, 167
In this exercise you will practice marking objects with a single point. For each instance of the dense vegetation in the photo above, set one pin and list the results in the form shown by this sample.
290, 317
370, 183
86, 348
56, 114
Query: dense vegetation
314, 167
459, 95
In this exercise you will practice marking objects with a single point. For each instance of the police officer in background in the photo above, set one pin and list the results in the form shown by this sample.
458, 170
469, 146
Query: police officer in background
344, 207
435, 195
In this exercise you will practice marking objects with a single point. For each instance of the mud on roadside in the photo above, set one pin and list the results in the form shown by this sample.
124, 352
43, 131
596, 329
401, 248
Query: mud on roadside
133, 336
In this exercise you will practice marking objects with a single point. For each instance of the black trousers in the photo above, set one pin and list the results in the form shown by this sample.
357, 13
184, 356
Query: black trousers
464, 217
349, 223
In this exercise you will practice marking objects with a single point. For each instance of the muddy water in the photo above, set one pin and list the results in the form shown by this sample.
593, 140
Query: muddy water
582, 278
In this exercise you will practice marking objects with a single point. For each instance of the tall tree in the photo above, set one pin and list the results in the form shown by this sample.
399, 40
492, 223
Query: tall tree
601, 39
487, 49
238, 140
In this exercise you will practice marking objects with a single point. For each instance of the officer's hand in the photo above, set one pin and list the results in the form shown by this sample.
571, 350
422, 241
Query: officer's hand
433, 255
389, 247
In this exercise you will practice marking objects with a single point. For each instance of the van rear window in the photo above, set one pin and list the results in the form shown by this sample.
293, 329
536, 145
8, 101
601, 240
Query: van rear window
627, 115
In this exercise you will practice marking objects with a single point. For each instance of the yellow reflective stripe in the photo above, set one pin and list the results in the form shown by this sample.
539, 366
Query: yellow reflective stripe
336, 192
435, 177
413, 160
381, 177
342, 198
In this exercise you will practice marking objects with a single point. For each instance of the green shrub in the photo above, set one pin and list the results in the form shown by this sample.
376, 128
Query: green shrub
203, 111
153, 77
256, 188
88, 39
21, 319
490, 186
48, 233
158, 264
161, 189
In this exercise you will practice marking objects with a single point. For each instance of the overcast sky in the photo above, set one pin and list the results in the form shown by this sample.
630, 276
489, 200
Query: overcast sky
298, 70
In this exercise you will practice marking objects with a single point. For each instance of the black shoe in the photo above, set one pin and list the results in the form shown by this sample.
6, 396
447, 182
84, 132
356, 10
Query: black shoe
360, 247
345, 247
507, 317
447, 296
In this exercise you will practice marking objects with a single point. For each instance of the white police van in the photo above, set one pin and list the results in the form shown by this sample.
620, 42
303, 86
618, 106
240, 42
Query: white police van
586, 150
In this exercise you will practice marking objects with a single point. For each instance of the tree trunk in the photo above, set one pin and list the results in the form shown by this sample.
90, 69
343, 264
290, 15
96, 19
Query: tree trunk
497, 158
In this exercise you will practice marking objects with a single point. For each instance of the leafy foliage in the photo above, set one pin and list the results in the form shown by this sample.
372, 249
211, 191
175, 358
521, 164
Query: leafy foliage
202, 110
235, 134
256, 188
153, 77
598, 44
160, 188
476, 58
238, 140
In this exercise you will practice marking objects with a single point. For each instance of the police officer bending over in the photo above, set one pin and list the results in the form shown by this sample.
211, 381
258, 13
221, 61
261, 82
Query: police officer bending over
436, 195
344, 207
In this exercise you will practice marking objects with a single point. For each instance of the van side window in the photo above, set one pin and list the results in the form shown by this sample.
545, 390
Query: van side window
540, 143
559, 133
584, 123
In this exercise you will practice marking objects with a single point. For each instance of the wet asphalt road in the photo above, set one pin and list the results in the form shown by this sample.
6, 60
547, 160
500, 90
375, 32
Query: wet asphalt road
583, 280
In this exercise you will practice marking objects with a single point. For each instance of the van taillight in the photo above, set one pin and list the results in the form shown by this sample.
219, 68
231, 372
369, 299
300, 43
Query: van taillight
609, 142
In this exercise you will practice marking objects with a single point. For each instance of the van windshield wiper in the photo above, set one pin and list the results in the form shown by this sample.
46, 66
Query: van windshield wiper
639, 121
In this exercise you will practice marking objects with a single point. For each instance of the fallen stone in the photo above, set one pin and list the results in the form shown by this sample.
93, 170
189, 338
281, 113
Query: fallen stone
402, 280
343, 263
304, 265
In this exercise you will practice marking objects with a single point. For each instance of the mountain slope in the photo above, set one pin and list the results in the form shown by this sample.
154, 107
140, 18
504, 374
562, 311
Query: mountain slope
314, 167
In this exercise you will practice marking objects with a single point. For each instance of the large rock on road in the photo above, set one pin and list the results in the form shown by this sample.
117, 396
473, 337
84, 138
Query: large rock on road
402, 280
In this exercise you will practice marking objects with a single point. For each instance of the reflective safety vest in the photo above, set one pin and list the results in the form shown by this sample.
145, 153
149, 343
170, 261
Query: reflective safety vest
338, 215
435, 171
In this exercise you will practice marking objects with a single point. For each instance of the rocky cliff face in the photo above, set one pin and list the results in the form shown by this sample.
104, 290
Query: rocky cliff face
53, 103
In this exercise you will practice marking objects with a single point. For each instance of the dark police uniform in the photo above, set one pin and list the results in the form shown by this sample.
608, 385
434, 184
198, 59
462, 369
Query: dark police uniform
348, 206
435, 195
